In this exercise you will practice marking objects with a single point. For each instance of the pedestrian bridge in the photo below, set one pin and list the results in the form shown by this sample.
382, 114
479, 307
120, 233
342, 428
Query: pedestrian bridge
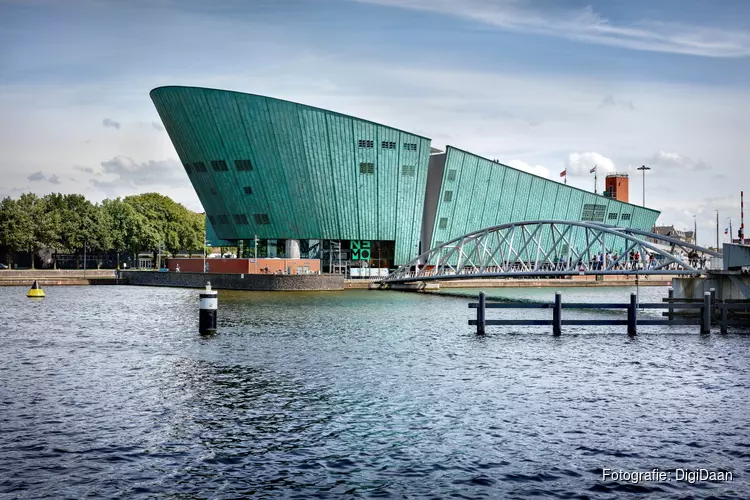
550, 248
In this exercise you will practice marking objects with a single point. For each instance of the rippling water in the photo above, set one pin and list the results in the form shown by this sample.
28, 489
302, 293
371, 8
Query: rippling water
110, 392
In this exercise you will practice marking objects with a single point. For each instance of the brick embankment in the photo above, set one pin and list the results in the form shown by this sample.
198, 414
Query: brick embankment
46, 277
257, 282
516, 283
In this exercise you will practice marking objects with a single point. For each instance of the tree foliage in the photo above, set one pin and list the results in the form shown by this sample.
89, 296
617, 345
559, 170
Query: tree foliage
67, 223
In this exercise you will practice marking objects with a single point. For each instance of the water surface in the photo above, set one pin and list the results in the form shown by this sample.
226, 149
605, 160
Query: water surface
110, 392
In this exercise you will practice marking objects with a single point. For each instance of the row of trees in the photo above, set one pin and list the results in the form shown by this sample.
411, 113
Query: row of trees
65, 223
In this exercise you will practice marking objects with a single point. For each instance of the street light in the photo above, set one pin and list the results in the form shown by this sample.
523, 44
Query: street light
644, 168
695, 230
717, 230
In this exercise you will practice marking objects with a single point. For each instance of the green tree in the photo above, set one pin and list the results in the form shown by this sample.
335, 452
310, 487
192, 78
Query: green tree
25, 212
11, 231
77, 227
170, 224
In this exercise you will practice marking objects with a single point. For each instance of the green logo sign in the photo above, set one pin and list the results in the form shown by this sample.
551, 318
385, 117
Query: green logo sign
360, 250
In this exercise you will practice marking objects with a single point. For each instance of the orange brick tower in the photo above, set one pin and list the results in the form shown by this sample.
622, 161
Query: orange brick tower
616, 186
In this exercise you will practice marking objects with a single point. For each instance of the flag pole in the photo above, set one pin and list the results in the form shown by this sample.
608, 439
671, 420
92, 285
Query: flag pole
595, 182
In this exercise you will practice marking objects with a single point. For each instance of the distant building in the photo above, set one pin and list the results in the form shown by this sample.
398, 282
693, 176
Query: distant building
672, 232
316, 184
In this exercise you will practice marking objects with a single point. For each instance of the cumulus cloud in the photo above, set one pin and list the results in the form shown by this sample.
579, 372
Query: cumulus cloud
609, 101
108, 122
124, 174
158, 126
532, 169
582, 163
87, 170
669, 160
54, 179
36, 177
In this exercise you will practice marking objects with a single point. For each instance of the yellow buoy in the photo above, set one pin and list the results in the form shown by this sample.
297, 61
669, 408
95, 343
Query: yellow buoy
35, 291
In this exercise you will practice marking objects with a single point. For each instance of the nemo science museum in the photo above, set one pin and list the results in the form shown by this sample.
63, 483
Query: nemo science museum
317, 184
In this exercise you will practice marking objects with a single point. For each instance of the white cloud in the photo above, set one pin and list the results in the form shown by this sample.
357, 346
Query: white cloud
582, 163
586, 25
670, 160
532, 169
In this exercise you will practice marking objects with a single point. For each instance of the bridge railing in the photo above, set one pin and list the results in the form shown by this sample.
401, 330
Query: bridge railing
556, 248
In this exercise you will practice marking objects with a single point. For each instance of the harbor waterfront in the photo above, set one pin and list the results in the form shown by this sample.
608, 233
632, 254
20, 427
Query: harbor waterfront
111, 392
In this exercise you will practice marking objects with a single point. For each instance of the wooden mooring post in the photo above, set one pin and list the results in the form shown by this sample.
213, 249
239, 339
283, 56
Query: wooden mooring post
632, 314
557, 315
481, 314
706, 313
670, 294
700, 315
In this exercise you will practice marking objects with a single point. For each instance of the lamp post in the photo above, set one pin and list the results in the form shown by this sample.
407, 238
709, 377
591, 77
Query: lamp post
730, 230
695, 230
644, 168
717, 230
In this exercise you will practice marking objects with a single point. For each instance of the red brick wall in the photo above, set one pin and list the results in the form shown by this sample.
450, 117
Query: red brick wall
244, 266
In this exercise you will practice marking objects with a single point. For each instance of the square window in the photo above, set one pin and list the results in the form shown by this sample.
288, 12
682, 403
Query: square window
409, 170
365, 143
448, 196
443, 223
612, 216
248, 190
243, 165
452, 174
367, 168
199, 166
188, 168
241, 219
261, 219
219, 165
223, 219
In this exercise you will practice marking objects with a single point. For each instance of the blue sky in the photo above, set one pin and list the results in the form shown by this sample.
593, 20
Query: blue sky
539, 84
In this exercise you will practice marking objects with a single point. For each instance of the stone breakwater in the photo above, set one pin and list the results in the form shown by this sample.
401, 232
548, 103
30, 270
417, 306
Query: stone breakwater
258, 282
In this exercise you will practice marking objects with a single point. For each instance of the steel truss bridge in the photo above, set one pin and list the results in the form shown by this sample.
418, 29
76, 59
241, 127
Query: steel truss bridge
555, 248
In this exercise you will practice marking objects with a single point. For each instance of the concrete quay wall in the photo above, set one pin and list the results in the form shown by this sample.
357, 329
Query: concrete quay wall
257, 282
726, 287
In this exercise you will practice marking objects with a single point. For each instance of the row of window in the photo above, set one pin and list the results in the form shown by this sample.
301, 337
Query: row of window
246, 189
367, 168
448, 196
218, 166
613, 216
239, 219
367, 143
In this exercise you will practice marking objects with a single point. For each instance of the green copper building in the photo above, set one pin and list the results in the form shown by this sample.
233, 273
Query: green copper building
315, 183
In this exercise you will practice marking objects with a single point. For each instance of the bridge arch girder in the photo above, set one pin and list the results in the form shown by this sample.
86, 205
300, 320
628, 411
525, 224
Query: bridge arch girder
554, 248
